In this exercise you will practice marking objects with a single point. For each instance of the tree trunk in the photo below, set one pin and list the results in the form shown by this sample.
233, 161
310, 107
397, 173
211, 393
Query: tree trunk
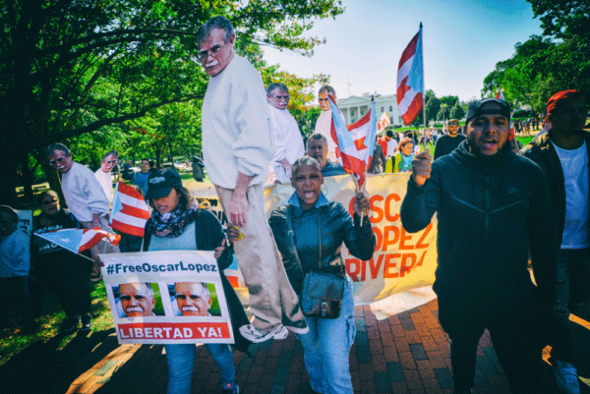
27, 179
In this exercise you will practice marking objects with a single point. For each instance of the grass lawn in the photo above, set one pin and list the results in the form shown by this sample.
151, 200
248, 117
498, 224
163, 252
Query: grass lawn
12, 340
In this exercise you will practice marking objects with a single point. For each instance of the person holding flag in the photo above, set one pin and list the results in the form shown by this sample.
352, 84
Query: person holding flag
493, 206
356, 142
84, 196
64, 274
319, 228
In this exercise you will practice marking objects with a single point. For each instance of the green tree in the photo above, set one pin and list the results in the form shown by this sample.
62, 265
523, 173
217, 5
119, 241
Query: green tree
72, 67
543, 65
450, 101
457, 112
432, 105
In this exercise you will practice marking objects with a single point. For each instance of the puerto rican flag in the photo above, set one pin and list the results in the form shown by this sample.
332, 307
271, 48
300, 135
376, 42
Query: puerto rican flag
383, 122
129, 212
77, 240
500, 95
410, 80
356, 142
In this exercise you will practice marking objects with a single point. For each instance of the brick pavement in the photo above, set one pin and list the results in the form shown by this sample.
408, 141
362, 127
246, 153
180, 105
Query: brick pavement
404, 353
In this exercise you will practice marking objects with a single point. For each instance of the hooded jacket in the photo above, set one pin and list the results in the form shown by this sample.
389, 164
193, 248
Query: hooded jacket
542, 152
335, 225
491, 210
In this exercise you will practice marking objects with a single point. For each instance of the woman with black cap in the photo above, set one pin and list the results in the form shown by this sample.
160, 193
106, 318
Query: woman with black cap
178, 224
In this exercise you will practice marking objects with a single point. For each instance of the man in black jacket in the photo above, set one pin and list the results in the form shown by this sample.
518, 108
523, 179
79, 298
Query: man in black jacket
448, 143
562, 153
492, 206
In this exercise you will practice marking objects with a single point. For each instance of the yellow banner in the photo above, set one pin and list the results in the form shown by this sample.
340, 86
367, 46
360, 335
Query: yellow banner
401, 261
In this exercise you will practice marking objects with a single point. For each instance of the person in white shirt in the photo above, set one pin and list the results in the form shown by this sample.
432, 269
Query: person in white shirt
288, 137
563, 154
392, 143
324, 122
84, 197
238, 144
103, 174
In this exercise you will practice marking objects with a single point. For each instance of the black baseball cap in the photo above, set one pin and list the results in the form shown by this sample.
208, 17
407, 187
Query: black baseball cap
161, 182
475, 108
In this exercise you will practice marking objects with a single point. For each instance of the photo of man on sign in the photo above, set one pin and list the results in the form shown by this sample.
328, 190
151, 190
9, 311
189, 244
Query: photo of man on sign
193, 299
137, 299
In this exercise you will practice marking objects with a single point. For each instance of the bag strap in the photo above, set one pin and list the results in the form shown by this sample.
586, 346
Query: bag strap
291, 235
320, 244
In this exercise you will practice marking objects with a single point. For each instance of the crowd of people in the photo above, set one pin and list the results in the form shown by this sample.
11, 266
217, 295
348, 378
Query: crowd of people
496, 208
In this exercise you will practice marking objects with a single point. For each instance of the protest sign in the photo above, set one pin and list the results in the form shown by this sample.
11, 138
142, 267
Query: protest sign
401, 261
25, 221
167, 297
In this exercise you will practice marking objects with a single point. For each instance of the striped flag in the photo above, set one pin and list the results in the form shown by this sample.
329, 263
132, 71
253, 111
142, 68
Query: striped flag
79, 239
383, 122
410, 80
356, 142
500, 95
129, 212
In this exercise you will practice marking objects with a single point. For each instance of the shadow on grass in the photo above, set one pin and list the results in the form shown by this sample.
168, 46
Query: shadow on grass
46, 367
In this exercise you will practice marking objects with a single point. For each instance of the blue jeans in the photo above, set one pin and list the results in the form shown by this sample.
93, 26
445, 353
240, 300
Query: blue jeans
327, 347
572, 265
181, 359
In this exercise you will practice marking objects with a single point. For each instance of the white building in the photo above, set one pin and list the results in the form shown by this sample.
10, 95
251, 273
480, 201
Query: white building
353, 108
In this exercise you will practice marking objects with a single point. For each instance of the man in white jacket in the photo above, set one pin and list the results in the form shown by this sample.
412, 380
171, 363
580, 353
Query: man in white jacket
288, 137
84, 196
238, 144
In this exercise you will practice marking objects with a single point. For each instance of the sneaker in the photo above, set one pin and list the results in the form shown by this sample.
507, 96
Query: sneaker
231, 388
86, 323
255, 335
566, 376
70, 324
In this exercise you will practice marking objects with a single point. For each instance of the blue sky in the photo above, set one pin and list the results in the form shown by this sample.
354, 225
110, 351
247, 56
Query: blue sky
463, 41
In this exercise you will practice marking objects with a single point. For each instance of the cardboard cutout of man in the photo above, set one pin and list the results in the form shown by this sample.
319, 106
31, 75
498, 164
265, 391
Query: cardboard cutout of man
324, 122
239, 144
103, 174
289, 145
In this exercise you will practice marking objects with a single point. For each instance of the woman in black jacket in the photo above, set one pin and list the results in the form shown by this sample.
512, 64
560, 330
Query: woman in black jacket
320, 227
178, 224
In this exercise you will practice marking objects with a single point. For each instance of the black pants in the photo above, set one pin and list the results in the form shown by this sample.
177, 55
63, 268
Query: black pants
515, 330
67, 277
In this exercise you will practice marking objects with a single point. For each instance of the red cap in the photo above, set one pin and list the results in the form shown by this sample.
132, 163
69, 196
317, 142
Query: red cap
561, 98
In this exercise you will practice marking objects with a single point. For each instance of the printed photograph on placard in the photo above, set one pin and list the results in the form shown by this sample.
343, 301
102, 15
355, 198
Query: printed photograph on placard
194, 299
138, 299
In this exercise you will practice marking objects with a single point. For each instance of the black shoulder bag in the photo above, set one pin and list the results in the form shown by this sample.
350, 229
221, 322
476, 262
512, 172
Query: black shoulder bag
322, 291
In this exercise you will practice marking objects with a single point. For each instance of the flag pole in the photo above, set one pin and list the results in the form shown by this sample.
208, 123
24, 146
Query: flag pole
424, 96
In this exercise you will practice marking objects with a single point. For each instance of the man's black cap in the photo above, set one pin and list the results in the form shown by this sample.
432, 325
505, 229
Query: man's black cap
475, 108
161, 182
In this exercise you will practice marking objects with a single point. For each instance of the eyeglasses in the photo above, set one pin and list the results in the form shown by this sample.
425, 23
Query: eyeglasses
49, 202
204, 55
53, 163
